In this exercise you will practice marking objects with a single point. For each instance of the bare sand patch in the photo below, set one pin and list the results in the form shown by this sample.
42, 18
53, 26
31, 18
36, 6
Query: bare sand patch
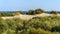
27, 17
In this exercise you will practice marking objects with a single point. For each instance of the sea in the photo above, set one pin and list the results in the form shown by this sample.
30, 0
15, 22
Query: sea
49, 12
27, 11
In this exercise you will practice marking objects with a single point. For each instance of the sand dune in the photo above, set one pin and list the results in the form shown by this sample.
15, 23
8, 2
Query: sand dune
27, 17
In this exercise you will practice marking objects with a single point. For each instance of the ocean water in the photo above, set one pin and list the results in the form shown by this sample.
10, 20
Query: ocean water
27, 11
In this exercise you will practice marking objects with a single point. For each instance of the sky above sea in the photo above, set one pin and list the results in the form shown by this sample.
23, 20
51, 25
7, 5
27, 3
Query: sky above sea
25, 5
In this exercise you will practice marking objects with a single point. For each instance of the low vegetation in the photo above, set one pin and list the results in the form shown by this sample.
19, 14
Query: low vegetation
4, 14
36, 25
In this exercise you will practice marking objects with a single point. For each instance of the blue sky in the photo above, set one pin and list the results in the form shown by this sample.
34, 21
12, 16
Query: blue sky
16, 5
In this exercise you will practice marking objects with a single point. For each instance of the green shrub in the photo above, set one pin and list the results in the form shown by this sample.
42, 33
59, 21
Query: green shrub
36, 11
54, 12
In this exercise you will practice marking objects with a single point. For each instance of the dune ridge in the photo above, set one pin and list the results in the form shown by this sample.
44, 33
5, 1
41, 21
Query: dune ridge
27, 17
